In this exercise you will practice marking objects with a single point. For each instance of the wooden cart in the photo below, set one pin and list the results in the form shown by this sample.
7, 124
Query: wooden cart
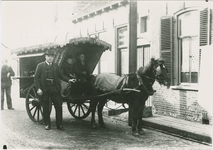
78, 104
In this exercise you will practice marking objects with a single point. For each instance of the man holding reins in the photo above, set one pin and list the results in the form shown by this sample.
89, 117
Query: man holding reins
48, 86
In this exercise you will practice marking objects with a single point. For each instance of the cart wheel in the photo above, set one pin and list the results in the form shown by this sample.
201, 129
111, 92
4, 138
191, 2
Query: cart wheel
34, 106
79, 110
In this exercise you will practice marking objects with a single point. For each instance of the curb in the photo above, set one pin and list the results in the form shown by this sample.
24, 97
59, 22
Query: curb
178, 132
192, 136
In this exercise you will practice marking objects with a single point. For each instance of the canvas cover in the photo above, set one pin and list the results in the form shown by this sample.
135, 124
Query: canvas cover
107, 82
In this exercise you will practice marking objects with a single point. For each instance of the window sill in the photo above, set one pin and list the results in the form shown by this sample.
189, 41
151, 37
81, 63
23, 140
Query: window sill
185, 88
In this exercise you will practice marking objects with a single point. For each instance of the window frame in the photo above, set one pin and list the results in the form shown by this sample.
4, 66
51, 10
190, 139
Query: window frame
146, 23
119, 48
143, 48
177, 53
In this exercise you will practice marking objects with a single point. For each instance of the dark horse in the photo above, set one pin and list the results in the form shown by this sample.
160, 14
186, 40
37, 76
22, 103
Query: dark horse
133, 89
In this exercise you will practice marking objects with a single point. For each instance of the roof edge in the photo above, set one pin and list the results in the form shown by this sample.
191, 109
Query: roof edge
98, 10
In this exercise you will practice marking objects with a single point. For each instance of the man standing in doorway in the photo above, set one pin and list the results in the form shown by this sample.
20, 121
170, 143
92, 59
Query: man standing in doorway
48, 86
6, 73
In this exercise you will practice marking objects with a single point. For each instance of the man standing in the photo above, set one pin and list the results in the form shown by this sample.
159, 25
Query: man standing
6, 73
48, 86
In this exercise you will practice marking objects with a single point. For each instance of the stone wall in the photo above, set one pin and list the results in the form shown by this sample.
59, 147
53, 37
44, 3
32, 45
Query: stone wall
180, 104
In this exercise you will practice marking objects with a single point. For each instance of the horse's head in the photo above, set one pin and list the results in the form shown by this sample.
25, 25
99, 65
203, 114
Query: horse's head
161, 72
154, 71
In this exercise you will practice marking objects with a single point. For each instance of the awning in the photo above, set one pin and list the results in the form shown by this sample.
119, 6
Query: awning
35, 48
29, 55
75, 41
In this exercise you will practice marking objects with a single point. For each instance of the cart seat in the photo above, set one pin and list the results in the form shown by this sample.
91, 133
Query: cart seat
78, 88
81, 88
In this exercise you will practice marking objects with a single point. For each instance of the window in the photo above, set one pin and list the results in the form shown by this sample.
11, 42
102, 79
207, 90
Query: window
143, 24
188, 42
123, 54
182, 38
103, 64
104, 60
124, 61
122, 37
143, 56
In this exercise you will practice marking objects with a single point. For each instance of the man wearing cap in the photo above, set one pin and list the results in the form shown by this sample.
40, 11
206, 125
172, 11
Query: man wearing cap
48, 86
68, 67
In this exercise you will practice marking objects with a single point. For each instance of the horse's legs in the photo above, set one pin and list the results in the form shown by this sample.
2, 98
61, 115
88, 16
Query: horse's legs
100, 110
137, 112
93, 109
140, 116
134, 117
134, 124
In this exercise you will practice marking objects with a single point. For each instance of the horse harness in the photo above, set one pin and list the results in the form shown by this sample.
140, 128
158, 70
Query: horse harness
125, 81
141, 83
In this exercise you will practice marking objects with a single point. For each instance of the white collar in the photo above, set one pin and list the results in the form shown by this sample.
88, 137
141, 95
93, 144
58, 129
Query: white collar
48, 63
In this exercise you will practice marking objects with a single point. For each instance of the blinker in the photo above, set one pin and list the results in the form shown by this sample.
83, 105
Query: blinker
158, 70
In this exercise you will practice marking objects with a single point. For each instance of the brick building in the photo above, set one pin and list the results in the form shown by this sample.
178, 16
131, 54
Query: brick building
176, 31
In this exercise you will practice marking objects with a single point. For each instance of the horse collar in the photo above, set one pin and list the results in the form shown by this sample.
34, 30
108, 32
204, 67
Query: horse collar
141, 83
125, 81
139, 79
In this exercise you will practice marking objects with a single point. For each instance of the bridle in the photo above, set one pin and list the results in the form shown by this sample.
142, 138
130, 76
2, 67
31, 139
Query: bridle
140, 80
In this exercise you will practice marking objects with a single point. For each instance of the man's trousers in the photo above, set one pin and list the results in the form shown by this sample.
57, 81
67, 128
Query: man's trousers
56, 99
8, 97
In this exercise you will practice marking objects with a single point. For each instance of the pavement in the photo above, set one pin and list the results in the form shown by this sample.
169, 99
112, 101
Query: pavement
193, 131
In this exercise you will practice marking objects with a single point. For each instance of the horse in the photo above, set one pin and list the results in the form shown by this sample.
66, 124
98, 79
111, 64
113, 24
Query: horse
133, 89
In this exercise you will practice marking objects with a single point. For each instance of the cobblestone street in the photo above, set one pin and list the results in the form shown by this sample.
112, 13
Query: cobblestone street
19, 132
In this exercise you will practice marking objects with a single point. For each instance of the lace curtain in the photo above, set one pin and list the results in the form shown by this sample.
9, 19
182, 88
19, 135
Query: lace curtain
190, 60
190, 55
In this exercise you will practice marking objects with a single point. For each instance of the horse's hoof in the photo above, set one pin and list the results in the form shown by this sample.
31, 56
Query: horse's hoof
93, 126
141, 132
135, 133
103, 127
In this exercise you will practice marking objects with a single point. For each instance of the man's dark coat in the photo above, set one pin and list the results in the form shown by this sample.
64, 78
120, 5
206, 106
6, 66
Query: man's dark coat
68, 69
40, 78
79, 68
5, 81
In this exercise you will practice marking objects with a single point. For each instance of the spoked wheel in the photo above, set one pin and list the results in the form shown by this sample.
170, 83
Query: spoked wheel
34, 106
79, 110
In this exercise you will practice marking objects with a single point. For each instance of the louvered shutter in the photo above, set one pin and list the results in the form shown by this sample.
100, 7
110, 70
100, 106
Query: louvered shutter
204, 22
166, 47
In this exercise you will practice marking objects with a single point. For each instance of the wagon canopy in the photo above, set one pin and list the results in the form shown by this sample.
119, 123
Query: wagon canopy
91, 47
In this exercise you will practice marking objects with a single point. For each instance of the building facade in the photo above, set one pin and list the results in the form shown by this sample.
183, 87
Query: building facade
178, 32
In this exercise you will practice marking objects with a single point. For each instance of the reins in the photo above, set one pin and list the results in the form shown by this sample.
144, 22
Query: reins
151, 78
141, 83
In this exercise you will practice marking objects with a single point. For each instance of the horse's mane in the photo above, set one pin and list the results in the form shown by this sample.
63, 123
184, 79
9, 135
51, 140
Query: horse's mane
148, 68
